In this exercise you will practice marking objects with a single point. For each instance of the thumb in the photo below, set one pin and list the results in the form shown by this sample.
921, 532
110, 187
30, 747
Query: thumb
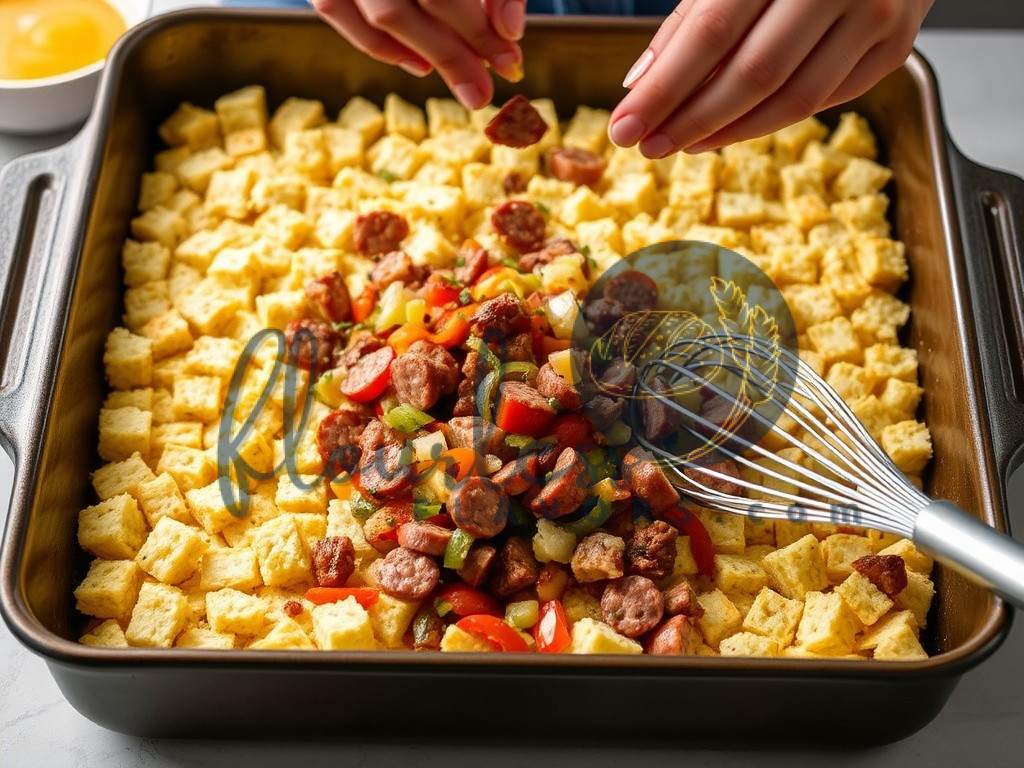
508, 17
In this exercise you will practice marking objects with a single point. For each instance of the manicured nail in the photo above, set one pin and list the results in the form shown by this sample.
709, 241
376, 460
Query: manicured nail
469, 95
627, 130
506, 64
700, 146
414, 68
656, 146
514, 17
639, 67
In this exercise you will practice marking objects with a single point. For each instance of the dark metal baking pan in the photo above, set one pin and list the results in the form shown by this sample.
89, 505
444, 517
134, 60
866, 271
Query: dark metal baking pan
66, 215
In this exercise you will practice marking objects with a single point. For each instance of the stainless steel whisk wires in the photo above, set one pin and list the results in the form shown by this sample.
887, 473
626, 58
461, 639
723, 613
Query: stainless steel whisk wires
847, 477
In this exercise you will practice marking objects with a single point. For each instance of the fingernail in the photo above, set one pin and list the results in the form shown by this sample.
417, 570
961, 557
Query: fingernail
414, 68
627, 130
639, 67
506, 64
656, 146
700, 146
469, 95
514, 17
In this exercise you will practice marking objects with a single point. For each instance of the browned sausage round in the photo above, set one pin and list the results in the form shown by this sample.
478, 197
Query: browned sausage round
504, 312
551, 385
406, 575
515, 568
557, 246
646, 480
334, 560
676, 636
337, 439
634, 290
680, 600
323, 343
563, 494
516, 124
887, 572
725, 467
651, 550
659, 417
478, 507
369, 369
380, 232
477, 565
416, 381
442, 358
601, 314
519, 475
519, 225
427, 538
329, 297
513, 184
632, 605
395, 267
474, 264
383, 474
576, 165
380, 529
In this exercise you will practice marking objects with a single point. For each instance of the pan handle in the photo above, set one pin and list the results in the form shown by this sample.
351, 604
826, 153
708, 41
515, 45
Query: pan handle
33, 191
991, 206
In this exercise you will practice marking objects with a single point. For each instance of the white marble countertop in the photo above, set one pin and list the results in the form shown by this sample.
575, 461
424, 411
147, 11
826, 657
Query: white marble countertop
981, 725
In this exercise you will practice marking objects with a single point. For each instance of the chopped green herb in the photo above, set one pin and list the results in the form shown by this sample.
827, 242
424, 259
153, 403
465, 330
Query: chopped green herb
585, 250
540, 311
517, 441
452, 281
387, 175
460, 261
508, 262
543, 208
361, 506
327, 377
555, 403
342, 326
591, 262
465, 297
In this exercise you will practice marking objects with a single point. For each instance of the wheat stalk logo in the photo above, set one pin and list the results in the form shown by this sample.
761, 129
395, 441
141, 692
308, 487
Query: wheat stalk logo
743, 328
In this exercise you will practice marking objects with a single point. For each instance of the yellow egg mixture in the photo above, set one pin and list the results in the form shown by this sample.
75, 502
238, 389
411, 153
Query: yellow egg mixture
43, 38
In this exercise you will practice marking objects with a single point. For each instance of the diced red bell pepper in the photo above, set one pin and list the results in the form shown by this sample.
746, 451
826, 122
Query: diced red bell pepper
365, 596
552, 629
439, 292
369, 377
519, 418
495, 631
364, 303
453, 329
701, 546
466, 601
571, 430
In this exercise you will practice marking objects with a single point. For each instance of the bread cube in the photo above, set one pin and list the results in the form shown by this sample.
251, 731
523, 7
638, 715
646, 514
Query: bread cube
294, 115
882, 262
592, 636
836, 340
456, 640
242, 109
796, 569
917, 596
286, 635
282, 552
850, 381
860, 177
144, 262
121, 477
633, 194
208, 307
278, 309
840, 550
553, 542
114, 529
588, 129
229, 610
124, 432
109, 589
790, 142
208, 639
898, 624
404, 118
736, 573
340, 522
160, 497
106, 635
794, 263
197, 398
726, 530
909, 445
390, 618
343, 626
128, 359
900, 398
172, 551
828, 625
862, 597
396, 155
190, 468
774, 616
900, 644
811, 305
879, 317
444, 205
209, 508
141, 398
364, 117
159, 616
169, 334
144, 303
739, 209
721, 617
854, 137
915, 559
196, 171
748, 644
190, 126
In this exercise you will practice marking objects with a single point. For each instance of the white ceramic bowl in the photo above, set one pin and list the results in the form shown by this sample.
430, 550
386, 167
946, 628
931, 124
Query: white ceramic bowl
49, 104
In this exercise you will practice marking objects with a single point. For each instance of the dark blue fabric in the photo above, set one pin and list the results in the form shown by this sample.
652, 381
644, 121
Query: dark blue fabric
605, 7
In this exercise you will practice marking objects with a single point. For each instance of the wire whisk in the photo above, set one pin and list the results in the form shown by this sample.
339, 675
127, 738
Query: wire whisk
838, 473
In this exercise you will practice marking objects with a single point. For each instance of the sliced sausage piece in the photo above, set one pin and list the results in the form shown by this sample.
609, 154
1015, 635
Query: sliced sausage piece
634, 290
329, 297
416, 380
519, 349
406, 575
427, 538
381, 528
515, 568
518, 475
443, 360
464, 403
477, 433
551, 385
680, 601
725, 467
568, 487
360, 343
513, 183
659, 417
505, 314
618, 378
651, 551
383, 473
519, 225
517, 124
557, 246
320, 351
887, 572
479, 507
376, 434
632, 605
598, 557
474, 264
334, 560
646, 480
394, 267
601, 314
368, 374
576, 165
478, 564
337, 440
379, 232
677, 636
605, 411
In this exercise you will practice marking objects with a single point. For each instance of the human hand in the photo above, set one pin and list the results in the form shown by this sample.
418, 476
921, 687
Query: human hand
456, 37
721, 71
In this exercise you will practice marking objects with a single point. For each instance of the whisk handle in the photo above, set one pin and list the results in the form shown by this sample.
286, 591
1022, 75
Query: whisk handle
967, 545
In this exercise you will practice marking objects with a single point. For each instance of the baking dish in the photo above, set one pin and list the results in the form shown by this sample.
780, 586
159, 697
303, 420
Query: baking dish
60, 273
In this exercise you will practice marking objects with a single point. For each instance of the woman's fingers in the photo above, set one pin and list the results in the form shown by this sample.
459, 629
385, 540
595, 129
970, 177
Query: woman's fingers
467, 19
347, 20
706, 33
882, 59
834, 58
508, 17
437, 43
779, 41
